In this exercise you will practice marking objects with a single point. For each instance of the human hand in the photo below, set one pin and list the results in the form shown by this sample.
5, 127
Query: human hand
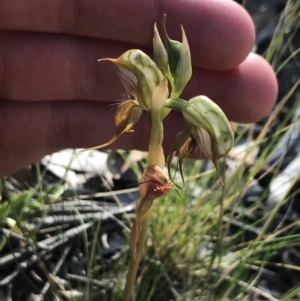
54, 94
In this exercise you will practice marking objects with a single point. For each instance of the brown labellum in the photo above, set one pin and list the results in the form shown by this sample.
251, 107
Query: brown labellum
154, 183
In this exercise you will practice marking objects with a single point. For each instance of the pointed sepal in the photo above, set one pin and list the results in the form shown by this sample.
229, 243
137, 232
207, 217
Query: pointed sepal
179, 60
126, 116
182, 146
160, 52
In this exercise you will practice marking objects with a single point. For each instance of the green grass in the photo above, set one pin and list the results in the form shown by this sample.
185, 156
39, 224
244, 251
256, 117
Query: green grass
203, 244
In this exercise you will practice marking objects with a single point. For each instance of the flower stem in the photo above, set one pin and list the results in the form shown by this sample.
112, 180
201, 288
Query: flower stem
155, 152
176, 104
155, 157
134, 262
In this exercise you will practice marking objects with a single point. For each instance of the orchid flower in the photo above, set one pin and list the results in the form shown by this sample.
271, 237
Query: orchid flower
147, 82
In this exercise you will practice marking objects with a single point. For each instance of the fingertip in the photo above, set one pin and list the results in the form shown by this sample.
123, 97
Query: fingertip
235, 36
246, 93
261, 90
220, 33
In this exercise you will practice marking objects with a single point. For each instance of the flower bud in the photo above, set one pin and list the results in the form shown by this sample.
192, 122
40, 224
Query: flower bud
139, 75
179, 60
160, 52
154, 183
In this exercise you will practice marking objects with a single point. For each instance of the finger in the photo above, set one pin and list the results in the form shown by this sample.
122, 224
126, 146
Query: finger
36, 67
246, 93
220, 33
30, 130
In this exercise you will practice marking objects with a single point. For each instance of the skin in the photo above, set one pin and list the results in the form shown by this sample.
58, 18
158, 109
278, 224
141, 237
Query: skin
55, 95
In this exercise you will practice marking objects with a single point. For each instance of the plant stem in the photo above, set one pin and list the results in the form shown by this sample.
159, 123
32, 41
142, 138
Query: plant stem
134, 262
176, 104
155, 157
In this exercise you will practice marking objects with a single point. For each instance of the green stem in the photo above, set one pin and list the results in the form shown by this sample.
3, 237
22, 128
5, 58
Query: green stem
173, 103
155, 157
176, 104
134, 262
